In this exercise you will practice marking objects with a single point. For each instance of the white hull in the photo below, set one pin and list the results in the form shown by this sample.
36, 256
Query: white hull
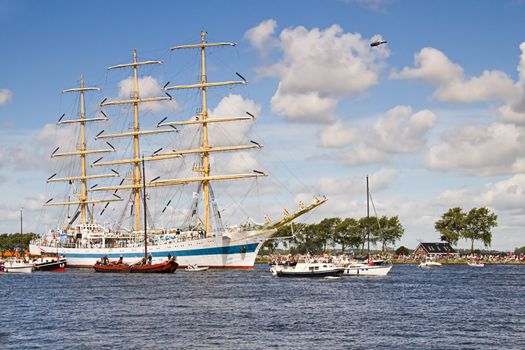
18, 268
430, 265
365, 270
475, 265
233, 250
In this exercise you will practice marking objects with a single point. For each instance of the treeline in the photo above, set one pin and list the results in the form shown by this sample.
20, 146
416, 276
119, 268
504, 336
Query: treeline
474, 225
336, 233
15, 242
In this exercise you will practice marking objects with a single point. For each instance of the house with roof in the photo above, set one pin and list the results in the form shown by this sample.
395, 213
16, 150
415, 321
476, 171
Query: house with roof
434, 249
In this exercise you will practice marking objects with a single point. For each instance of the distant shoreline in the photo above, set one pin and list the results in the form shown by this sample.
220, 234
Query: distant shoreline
260, 260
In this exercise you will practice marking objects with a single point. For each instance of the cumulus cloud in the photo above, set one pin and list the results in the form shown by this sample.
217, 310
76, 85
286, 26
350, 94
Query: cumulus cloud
451, 84
432, 65
148, 87
398, 131
5, 96
477, 150
262, 36
318, 68
339, 135
507, 195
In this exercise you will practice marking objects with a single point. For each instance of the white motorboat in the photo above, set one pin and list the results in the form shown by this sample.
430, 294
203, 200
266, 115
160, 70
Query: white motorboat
475, 264
18, 266
361, 269
430, 264
304, 268
196, 268
50, 264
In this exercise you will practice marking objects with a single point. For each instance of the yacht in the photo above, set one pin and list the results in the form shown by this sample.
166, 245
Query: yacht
429, 264
305, 268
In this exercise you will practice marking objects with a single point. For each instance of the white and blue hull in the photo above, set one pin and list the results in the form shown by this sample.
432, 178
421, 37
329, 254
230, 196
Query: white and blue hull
239, 250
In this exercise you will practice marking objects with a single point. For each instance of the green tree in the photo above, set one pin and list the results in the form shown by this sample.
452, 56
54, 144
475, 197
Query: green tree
326, 231
478, 225
402, 251
388, 230
451, 225
348, 234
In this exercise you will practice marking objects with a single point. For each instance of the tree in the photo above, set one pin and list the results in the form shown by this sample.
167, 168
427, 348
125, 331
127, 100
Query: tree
451, 225
326, 230
389, 230
348, 234
478, 224
402, 251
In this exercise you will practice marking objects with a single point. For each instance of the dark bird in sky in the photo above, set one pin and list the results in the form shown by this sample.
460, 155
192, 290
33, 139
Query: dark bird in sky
377, 43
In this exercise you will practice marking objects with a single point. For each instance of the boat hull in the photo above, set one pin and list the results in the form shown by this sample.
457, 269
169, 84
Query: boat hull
310, 274
112, 268
50, 265
18, 269
237, 250
165, 267
367, 270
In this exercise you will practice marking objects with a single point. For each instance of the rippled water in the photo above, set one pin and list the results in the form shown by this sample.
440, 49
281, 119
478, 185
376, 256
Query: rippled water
455, 307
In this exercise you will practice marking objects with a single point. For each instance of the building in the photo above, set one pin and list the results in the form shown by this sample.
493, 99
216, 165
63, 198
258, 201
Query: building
434, 249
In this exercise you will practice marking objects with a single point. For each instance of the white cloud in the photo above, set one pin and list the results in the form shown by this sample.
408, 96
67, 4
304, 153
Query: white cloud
5, 96
401, 131
452, 86
432, 65
398, 131
261, 36
477, 150
338, 135
148, 87
318, 68
491, 85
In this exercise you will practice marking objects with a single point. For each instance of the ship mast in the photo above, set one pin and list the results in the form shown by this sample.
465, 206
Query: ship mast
136, 133
204, 169
83, 201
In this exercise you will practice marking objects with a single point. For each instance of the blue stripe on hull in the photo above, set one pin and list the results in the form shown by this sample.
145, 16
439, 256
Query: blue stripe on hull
248, 248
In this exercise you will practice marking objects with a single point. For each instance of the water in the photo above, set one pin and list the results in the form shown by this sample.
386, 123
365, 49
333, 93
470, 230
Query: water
455, 307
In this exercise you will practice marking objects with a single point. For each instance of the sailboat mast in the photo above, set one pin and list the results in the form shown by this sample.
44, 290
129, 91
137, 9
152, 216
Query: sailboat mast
136, 150
83, 194
368, 216
145, 216
205, 155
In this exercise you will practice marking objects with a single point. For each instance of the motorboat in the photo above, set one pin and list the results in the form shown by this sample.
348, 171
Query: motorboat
18, 266
429, 264
50, 264
475, 264
196, 268
164, 267
305, 268
370, 269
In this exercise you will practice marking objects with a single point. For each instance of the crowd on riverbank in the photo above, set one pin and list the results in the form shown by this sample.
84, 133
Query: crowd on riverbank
340, 259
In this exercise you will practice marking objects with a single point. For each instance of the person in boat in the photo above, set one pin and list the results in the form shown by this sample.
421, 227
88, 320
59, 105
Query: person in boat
120, 260
150, 258
169, 256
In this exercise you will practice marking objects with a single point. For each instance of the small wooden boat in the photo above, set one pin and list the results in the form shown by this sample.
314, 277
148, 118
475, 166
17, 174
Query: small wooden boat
196, 268
50, 264
165, 267
111, 267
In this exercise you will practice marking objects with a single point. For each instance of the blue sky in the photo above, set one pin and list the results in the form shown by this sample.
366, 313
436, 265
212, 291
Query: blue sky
436, 117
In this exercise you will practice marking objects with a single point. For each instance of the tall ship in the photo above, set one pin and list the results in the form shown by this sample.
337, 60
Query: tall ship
201, 238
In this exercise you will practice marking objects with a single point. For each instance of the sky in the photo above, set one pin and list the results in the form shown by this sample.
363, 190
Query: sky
435, 117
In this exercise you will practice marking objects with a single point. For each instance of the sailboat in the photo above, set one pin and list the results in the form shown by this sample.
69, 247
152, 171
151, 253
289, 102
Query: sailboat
372, 268
201, 244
